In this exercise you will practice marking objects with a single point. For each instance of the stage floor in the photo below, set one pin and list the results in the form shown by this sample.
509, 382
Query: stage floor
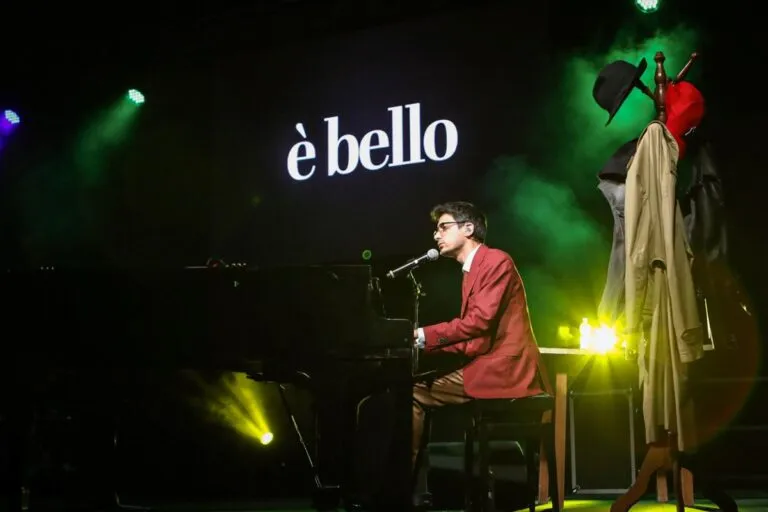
581, 505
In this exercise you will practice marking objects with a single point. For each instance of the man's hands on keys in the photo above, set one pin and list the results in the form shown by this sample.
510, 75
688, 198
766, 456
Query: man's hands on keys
417, 341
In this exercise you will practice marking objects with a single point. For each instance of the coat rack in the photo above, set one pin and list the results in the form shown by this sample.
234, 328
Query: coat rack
659, 95
660, 457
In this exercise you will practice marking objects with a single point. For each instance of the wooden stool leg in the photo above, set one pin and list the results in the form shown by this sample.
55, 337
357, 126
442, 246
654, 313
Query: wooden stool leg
486, 497
545, 456
662, 491
530, 472
686, 487
470, 436
548, 488
688, 496
561, 408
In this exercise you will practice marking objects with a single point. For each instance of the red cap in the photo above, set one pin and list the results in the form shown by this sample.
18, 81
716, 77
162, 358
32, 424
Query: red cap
685, 110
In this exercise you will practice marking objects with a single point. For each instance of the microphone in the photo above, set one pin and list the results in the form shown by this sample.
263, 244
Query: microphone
431, 255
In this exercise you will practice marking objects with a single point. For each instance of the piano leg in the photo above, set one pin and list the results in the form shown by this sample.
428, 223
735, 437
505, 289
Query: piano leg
380, 476
338, 464
324, 497
14, 433
116, 424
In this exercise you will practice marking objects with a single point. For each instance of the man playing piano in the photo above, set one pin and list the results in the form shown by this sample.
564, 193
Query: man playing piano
493, 330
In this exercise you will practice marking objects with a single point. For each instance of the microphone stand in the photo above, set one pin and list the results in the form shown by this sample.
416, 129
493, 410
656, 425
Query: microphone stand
417, 293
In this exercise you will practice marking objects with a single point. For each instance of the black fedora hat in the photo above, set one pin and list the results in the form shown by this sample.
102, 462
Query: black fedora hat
614, 83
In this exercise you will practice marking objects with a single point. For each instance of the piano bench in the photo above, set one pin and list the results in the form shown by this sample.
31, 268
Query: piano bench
530, 420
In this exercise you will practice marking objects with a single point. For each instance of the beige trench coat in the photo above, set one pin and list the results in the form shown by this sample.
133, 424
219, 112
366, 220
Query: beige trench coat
660, 296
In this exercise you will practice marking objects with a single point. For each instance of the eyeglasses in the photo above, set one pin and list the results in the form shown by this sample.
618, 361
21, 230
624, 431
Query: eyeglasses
443, 226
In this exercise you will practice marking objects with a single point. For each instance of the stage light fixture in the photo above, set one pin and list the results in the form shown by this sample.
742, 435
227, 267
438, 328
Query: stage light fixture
8, 122
647, 6
266, 438
11, 117
599, 340
135, 96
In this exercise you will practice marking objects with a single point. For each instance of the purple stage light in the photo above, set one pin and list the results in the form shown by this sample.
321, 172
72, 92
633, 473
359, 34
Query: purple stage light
12, 117
8, 121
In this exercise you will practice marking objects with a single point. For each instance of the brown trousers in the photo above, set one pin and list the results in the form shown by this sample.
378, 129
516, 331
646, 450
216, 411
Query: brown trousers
446, 390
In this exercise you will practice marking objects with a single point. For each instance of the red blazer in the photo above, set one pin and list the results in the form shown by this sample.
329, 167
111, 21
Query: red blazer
494, 329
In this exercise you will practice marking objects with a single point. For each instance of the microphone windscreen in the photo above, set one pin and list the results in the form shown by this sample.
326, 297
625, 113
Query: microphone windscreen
432, 254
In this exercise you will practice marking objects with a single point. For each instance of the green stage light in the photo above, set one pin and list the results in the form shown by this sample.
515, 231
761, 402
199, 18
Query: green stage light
647, 6
135, 96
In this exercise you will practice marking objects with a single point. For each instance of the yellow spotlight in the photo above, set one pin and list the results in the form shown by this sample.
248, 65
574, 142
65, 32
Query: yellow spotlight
604, 339
600, 340
235, 401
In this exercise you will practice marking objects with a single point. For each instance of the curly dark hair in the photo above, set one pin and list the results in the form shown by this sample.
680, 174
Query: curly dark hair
463, 211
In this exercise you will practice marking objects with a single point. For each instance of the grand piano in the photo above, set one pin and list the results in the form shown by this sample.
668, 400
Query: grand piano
323, 327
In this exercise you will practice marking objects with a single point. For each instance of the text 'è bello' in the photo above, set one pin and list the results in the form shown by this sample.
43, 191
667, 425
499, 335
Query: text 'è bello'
377, 148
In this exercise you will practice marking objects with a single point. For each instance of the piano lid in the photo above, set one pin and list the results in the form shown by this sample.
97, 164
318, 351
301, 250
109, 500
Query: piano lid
200, 314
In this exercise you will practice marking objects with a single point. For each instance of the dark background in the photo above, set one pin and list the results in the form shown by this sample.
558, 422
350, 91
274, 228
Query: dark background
217, 127
485, 82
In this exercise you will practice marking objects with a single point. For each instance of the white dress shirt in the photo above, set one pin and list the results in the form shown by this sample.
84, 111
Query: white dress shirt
421, 340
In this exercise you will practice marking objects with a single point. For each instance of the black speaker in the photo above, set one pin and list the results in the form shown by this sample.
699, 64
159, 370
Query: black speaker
602, 441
